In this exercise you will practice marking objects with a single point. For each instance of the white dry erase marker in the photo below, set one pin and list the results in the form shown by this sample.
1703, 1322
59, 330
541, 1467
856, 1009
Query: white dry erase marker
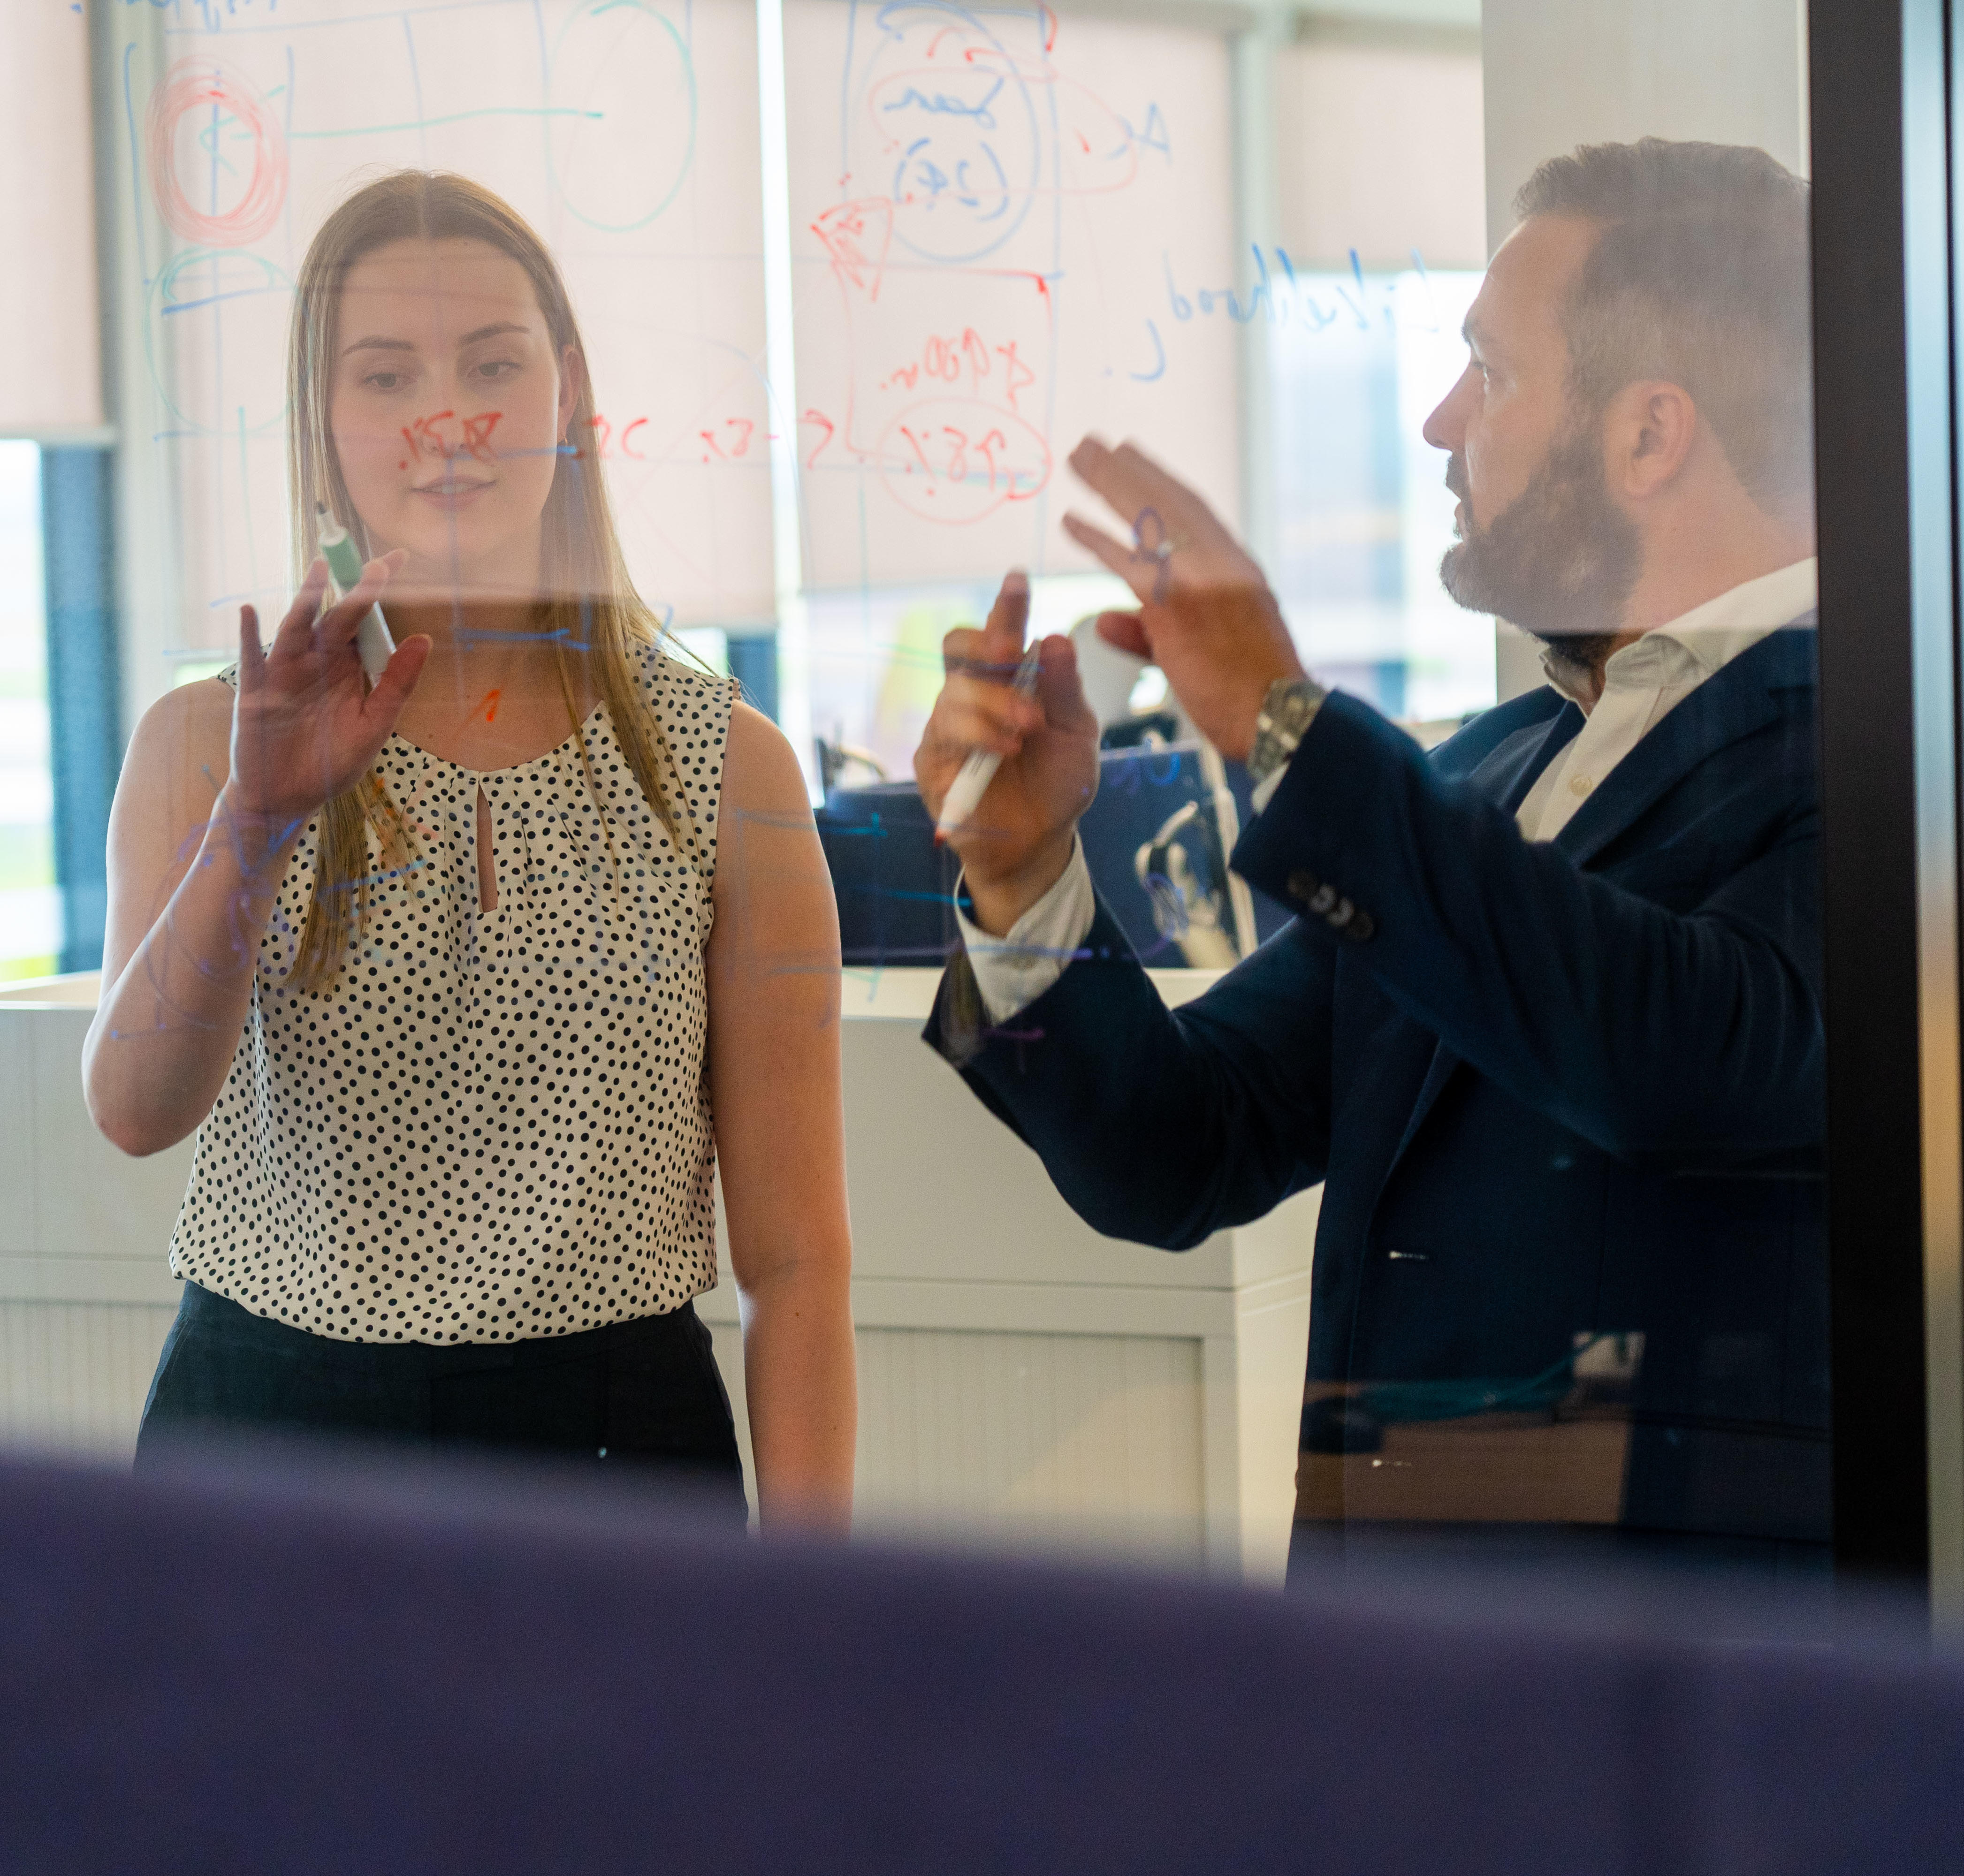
374, 641
972, 783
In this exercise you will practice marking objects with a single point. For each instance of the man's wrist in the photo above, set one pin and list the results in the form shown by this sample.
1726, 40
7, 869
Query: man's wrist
1287, 709
1240, 723
998, 904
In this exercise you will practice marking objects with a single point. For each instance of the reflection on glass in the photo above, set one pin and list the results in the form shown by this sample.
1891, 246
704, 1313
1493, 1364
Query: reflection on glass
1513, 976
420, 922
1363, 516
1547, 1025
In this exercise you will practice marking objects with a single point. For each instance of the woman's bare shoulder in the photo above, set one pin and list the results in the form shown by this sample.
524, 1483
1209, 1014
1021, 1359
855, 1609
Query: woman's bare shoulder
186, 732
760, 771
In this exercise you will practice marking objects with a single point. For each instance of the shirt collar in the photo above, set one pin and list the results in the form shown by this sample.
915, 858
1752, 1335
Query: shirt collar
1710, 636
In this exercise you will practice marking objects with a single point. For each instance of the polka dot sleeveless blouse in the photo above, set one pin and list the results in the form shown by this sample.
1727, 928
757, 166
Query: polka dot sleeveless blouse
491, 1125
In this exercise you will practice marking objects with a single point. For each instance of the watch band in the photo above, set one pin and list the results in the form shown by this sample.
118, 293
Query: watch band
1287, 711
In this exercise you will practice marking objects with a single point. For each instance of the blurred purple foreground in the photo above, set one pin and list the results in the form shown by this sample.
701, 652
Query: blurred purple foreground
298, 1664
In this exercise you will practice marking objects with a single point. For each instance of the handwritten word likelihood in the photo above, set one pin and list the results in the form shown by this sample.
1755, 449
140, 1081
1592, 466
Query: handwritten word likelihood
1282, 297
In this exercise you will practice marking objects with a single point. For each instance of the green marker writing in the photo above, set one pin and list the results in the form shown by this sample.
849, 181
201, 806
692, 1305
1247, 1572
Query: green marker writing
374, 642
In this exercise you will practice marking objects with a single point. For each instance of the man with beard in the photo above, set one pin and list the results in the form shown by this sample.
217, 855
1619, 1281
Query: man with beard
1549, 1025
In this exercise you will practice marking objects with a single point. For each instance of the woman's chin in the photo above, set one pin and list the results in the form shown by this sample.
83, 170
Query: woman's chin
424, 584
454, 564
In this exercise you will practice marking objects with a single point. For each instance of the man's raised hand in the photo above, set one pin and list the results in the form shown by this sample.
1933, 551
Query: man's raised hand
1206, 616
1017, 843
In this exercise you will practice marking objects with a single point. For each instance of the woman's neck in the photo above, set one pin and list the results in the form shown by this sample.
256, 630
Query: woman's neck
492, 693
486, 620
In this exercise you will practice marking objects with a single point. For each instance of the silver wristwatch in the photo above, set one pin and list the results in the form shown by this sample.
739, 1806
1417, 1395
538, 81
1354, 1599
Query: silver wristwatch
1287, 712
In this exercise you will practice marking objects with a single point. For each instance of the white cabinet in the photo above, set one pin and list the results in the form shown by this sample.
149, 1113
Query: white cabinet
1023, 1381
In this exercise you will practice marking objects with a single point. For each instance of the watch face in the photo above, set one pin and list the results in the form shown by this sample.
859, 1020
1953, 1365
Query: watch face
1298, 704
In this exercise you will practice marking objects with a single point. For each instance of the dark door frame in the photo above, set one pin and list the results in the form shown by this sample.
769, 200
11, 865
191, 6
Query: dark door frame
1884, 383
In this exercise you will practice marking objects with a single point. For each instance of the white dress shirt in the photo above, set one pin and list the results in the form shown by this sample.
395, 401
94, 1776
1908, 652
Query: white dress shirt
1641, 685
1644, 682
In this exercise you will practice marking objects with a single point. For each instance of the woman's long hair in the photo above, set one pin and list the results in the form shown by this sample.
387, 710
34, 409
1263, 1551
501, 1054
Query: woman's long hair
591, 609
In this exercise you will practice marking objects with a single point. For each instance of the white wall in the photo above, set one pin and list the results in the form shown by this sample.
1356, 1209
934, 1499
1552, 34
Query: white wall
1562, 72
1380, 147
48, 322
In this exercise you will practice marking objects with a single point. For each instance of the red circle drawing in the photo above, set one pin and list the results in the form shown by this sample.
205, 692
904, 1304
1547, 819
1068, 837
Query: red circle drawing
956, 459
204, 84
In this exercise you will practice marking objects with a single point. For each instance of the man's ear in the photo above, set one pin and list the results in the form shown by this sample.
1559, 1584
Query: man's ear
1648, 431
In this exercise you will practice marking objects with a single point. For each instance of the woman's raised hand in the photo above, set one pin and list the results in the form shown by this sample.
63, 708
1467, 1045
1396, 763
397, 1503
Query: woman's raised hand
305, 726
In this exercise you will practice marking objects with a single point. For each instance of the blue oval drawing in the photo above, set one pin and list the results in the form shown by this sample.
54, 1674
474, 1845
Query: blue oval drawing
957, 129
592, 140
197, 291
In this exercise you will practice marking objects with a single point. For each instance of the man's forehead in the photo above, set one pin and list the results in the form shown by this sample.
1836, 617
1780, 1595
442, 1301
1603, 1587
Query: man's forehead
1530, 276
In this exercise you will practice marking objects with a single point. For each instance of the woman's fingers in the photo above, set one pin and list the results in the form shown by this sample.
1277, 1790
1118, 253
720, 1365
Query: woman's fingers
296, 632
385, 702
252, 654
341, 621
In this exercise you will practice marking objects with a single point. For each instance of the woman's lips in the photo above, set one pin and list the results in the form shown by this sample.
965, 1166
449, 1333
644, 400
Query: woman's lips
460, 493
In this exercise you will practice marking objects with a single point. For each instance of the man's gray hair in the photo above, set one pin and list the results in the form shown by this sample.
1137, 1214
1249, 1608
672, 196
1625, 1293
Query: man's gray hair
1700, 277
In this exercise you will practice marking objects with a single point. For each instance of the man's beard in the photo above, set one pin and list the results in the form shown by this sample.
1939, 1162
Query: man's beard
1558, 561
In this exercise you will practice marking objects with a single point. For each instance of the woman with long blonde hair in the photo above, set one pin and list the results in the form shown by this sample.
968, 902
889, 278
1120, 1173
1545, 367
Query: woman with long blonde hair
468, 981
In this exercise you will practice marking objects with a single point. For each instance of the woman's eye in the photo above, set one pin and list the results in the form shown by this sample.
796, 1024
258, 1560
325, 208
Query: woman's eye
383, 380
496, 368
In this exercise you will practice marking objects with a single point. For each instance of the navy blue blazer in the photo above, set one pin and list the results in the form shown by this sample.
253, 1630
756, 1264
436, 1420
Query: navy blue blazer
1554, 1089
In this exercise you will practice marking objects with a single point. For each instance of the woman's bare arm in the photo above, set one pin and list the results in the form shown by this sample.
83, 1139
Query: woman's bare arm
190, 885
774, 1066
214, 792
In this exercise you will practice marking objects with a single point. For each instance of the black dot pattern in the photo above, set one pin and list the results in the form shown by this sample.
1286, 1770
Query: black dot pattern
490, 1125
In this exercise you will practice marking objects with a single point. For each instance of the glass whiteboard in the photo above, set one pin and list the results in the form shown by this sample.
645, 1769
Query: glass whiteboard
1009, 228
624, 131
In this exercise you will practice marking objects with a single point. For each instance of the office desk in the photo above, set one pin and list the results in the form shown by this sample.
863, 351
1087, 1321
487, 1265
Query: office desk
1021, 1379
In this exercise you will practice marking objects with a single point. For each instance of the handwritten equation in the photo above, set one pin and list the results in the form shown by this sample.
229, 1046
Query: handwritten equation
977, 281
624, 131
